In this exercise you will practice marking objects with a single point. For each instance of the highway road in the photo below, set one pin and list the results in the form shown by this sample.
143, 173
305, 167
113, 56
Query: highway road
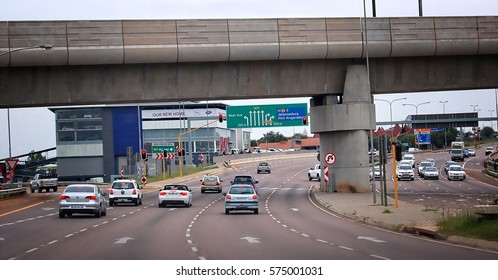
289, 226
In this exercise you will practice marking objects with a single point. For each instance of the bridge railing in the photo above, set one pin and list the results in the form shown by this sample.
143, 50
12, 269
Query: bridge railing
209, 40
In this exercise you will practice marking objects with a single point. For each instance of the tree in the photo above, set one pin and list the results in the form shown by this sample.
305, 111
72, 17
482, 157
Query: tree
254, 143
299, 136
487, 132
35, 157
272, 137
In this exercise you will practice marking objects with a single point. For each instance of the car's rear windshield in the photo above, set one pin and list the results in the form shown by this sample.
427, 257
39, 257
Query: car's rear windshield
175, 187
210, 179
241, 179
263, 164
73, 189
241, 190
123, 185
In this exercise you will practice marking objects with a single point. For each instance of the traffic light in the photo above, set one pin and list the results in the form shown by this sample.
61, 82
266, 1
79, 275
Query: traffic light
179, 152
144, 154
398, 152
165, 154
183, 152
220, 118
305, 120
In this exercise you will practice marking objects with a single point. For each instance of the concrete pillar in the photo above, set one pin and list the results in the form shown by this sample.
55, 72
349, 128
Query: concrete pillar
344, 122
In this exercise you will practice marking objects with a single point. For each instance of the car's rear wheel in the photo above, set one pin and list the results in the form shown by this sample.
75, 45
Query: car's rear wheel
227, 211
309, 177
136, 202
98, 214
256, 211
111, 203
62, 215
32, 190
39, 189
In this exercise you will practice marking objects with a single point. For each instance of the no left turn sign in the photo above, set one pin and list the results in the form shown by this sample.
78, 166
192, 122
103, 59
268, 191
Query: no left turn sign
329, 158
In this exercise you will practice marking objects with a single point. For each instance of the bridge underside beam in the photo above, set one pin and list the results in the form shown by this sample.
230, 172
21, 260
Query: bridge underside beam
145, 83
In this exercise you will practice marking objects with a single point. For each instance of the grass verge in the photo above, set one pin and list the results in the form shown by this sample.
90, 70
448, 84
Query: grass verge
467, 224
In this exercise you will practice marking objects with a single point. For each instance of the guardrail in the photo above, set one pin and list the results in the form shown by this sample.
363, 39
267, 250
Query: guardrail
10, 190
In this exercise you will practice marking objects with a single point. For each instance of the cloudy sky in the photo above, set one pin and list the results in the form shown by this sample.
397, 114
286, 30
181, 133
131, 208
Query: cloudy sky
34, 128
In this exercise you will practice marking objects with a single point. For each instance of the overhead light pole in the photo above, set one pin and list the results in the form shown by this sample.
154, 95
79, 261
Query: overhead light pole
491, 115
46, 47
391, 110
416, 106
444, 112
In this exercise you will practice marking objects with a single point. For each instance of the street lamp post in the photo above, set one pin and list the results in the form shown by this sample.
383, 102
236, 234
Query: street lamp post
391, 110
46, 47
416, 106
491, 115
444, 112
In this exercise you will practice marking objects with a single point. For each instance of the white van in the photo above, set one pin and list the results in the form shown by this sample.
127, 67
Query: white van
234, 151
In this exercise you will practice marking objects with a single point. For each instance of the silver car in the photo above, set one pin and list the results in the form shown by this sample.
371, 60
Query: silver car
82, 199
241, 197
430, 172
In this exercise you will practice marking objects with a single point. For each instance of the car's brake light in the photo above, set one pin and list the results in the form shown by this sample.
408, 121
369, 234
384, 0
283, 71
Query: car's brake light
217, 183
91, 197
202, 183
163, 193
111, 191
134, 191
183, 193
62, 197
228, 196
254, 197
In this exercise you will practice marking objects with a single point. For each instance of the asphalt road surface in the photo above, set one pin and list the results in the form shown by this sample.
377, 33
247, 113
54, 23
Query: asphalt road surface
289, 226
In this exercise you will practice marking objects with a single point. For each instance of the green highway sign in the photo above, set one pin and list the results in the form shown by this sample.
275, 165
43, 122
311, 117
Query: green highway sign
159, 149
266, 115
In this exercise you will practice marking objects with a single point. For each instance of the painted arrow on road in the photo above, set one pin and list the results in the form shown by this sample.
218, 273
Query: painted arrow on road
373, 239
123, 240
251, 239
294, 209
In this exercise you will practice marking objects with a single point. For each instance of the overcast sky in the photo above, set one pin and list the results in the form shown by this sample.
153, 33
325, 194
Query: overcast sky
34, 128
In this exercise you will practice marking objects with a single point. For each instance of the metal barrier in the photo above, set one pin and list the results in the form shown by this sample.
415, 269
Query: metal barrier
8, 192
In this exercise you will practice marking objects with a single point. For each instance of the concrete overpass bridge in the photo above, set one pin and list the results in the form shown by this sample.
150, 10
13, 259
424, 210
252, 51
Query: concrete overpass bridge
140, 61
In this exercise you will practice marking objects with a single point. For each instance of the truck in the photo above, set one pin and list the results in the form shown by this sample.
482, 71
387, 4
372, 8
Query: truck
43, 182
457, 150
314, 172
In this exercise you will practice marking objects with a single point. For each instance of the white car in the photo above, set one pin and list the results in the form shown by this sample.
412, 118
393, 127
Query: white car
422, 165
174, 195
125, 191
456, 172
405, 171
430, 172
411, 158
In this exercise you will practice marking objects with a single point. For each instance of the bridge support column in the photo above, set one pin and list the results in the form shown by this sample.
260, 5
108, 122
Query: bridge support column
344, 122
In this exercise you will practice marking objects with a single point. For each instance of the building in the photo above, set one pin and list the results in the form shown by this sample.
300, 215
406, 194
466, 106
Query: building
102, 141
